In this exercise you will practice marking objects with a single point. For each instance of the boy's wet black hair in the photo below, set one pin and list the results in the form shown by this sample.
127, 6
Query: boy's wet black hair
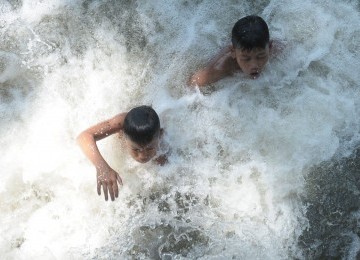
250, 32
142, 124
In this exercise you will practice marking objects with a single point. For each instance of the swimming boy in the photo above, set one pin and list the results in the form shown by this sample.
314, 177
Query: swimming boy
142, 134
249, 53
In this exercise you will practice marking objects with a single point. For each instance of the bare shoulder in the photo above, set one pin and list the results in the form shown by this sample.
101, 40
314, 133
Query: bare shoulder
220, 66
107, 127
114, 124
277, 47
117, 120
224, 60
226, 51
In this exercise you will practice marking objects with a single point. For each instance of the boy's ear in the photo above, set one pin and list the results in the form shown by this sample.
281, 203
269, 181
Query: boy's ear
270, 44
232, 51
161, 132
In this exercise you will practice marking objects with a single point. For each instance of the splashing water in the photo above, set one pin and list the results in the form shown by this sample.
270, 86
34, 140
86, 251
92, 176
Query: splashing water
263, 169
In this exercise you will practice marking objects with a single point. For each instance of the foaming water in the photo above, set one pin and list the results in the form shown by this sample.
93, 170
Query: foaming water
246, 158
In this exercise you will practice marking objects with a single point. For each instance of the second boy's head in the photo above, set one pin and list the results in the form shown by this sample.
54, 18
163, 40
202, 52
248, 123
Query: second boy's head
250, 41
142, 132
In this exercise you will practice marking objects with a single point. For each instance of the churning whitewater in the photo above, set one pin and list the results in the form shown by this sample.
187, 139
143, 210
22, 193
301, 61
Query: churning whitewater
259, 169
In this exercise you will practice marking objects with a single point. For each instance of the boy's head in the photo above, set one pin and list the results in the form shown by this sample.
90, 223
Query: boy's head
250, 40
142, 131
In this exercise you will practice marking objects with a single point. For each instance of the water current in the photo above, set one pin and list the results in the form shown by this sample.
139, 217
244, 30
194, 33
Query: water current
260, 169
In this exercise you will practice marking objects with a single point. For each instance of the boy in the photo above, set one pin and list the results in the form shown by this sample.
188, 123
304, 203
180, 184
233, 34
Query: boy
249, 53
142, 134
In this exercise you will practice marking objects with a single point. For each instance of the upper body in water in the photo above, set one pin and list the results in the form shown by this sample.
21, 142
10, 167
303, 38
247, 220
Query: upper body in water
142, 133
249, 53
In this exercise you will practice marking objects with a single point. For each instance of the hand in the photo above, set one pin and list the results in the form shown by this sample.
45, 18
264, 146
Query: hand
161, 160
108, 179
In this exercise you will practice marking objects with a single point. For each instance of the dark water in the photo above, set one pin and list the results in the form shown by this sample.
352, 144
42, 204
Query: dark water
253, 174
332, 194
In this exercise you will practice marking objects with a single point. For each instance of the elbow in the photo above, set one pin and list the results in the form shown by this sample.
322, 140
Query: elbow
195, 80
81, 138
199, 79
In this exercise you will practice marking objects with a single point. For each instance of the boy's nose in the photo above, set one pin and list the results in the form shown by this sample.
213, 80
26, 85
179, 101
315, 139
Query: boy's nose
143, 156
142, 159
255, 65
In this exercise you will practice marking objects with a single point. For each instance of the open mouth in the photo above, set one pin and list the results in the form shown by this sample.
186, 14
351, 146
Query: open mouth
144, 160
254, 75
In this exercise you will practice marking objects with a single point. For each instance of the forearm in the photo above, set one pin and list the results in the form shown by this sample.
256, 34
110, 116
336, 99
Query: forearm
88, 145
200, 78
206, 76
219, 67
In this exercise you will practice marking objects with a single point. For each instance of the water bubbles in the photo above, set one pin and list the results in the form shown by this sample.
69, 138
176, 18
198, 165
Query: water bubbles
240, 153
10, 66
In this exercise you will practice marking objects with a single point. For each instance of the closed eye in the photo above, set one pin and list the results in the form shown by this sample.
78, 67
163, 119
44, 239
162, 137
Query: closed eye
245, 58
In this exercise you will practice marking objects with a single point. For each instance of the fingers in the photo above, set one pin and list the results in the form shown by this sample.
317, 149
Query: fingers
109, 185
111, 191
115, 189
110, 188
99, 188
115, 186
105, 189
118, 178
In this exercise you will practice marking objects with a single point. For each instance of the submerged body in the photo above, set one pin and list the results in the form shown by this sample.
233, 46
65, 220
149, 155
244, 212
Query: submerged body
249, 53
142, 134
234, 188
229, 61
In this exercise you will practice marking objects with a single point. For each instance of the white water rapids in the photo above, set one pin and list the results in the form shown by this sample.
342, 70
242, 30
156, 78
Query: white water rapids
234, 187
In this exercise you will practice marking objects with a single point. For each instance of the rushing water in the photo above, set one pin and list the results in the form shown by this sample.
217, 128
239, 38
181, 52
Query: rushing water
260, 169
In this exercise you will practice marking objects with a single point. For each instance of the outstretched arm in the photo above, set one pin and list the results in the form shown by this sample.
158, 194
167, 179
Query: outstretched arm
222, 65
106, 176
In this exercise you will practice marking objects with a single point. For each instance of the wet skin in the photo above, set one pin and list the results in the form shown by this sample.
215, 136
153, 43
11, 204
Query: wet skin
142, 153
252, 62
230, 60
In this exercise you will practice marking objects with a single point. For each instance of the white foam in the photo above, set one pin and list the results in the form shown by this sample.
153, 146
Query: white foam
10, 66
239, 155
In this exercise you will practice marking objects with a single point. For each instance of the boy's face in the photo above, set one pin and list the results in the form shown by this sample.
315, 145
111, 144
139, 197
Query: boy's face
143, 153
252, 62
